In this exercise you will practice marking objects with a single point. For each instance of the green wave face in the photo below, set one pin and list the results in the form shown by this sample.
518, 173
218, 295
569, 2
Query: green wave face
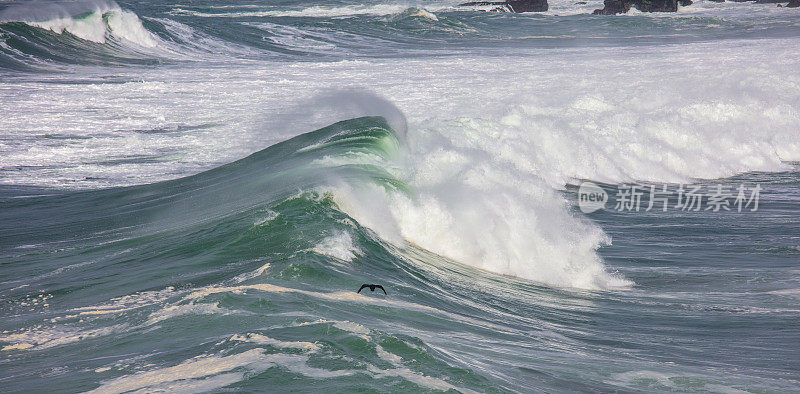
259, 240
359, 150
202, 224
244, 278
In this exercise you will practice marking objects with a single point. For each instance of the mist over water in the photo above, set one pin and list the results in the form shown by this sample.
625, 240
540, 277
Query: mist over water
192, 193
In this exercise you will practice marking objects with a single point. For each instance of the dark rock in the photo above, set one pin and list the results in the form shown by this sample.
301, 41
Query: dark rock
793, 4
612, 7
656, 5
771, 1
528, 5
515, 5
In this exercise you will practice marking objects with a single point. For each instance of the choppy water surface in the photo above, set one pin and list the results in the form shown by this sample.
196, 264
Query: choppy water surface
191, 193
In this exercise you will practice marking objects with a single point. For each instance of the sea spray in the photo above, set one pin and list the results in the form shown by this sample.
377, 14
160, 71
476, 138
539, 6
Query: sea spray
91, 20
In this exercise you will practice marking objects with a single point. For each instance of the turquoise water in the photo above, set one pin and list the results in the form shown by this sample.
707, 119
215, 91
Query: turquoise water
189, 204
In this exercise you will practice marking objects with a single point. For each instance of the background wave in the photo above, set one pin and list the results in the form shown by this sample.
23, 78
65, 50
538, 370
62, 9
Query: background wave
104, 33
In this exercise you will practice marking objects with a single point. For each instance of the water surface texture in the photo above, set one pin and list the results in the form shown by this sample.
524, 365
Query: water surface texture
191, 192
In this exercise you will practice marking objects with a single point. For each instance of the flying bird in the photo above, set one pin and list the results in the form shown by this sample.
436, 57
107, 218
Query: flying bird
371, 288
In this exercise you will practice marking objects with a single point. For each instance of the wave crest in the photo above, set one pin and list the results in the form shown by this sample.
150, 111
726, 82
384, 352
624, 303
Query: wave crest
95, 21
464, 206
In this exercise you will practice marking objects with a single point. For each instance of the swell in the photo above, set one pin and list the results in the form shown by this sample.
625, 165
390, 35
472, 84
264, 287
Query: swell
95, 32
252, 240
88, 32
220, 192
115, 241
331, 190
51, 35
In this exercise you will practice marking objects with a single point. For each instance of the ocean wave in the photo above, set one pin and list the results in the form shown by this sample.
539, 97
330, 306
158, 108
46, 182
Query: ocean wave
49, 34
321, 11
96, 21
495, 218
56, 34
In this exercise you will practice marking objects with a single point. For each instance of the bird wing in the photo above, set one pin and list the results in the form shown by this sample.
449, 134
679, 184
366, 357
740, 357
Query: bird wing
381, 287
362, 288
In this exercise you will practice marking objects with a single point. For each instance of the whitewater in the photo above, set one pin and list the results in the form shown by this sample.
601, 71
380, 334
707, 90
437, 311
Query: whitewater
192, 193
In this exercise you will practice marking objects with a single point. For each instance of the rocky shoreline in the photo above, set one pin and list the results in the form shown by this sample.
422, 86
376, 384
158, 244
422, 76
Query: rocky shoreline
612, 7
515, 6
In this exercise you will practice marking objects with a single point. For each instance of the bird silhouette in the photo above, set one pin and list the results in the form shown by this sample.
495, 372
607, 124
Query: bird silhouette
371, 288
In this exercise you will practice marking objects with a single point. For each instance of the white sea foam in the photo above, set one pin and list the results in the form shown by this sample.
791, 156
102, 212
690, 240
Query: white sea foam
41, 337
209, 372
729, 10
339, 245
342, 296
344, 325
320, 11
398, 369
126, 25
91, 20
492, 225
354, 328
253, 274
265, 218
265, 340
485, 170
126, 303
18, 346
417, 378
174, 311
192, 371
61, 333
309, 39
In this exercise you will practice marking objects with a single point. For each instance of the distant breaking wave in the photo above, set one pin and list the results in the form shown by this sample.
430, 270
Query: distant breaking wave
52, 34
47, 34
323, 12
34, 35
96, 21
99, 32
